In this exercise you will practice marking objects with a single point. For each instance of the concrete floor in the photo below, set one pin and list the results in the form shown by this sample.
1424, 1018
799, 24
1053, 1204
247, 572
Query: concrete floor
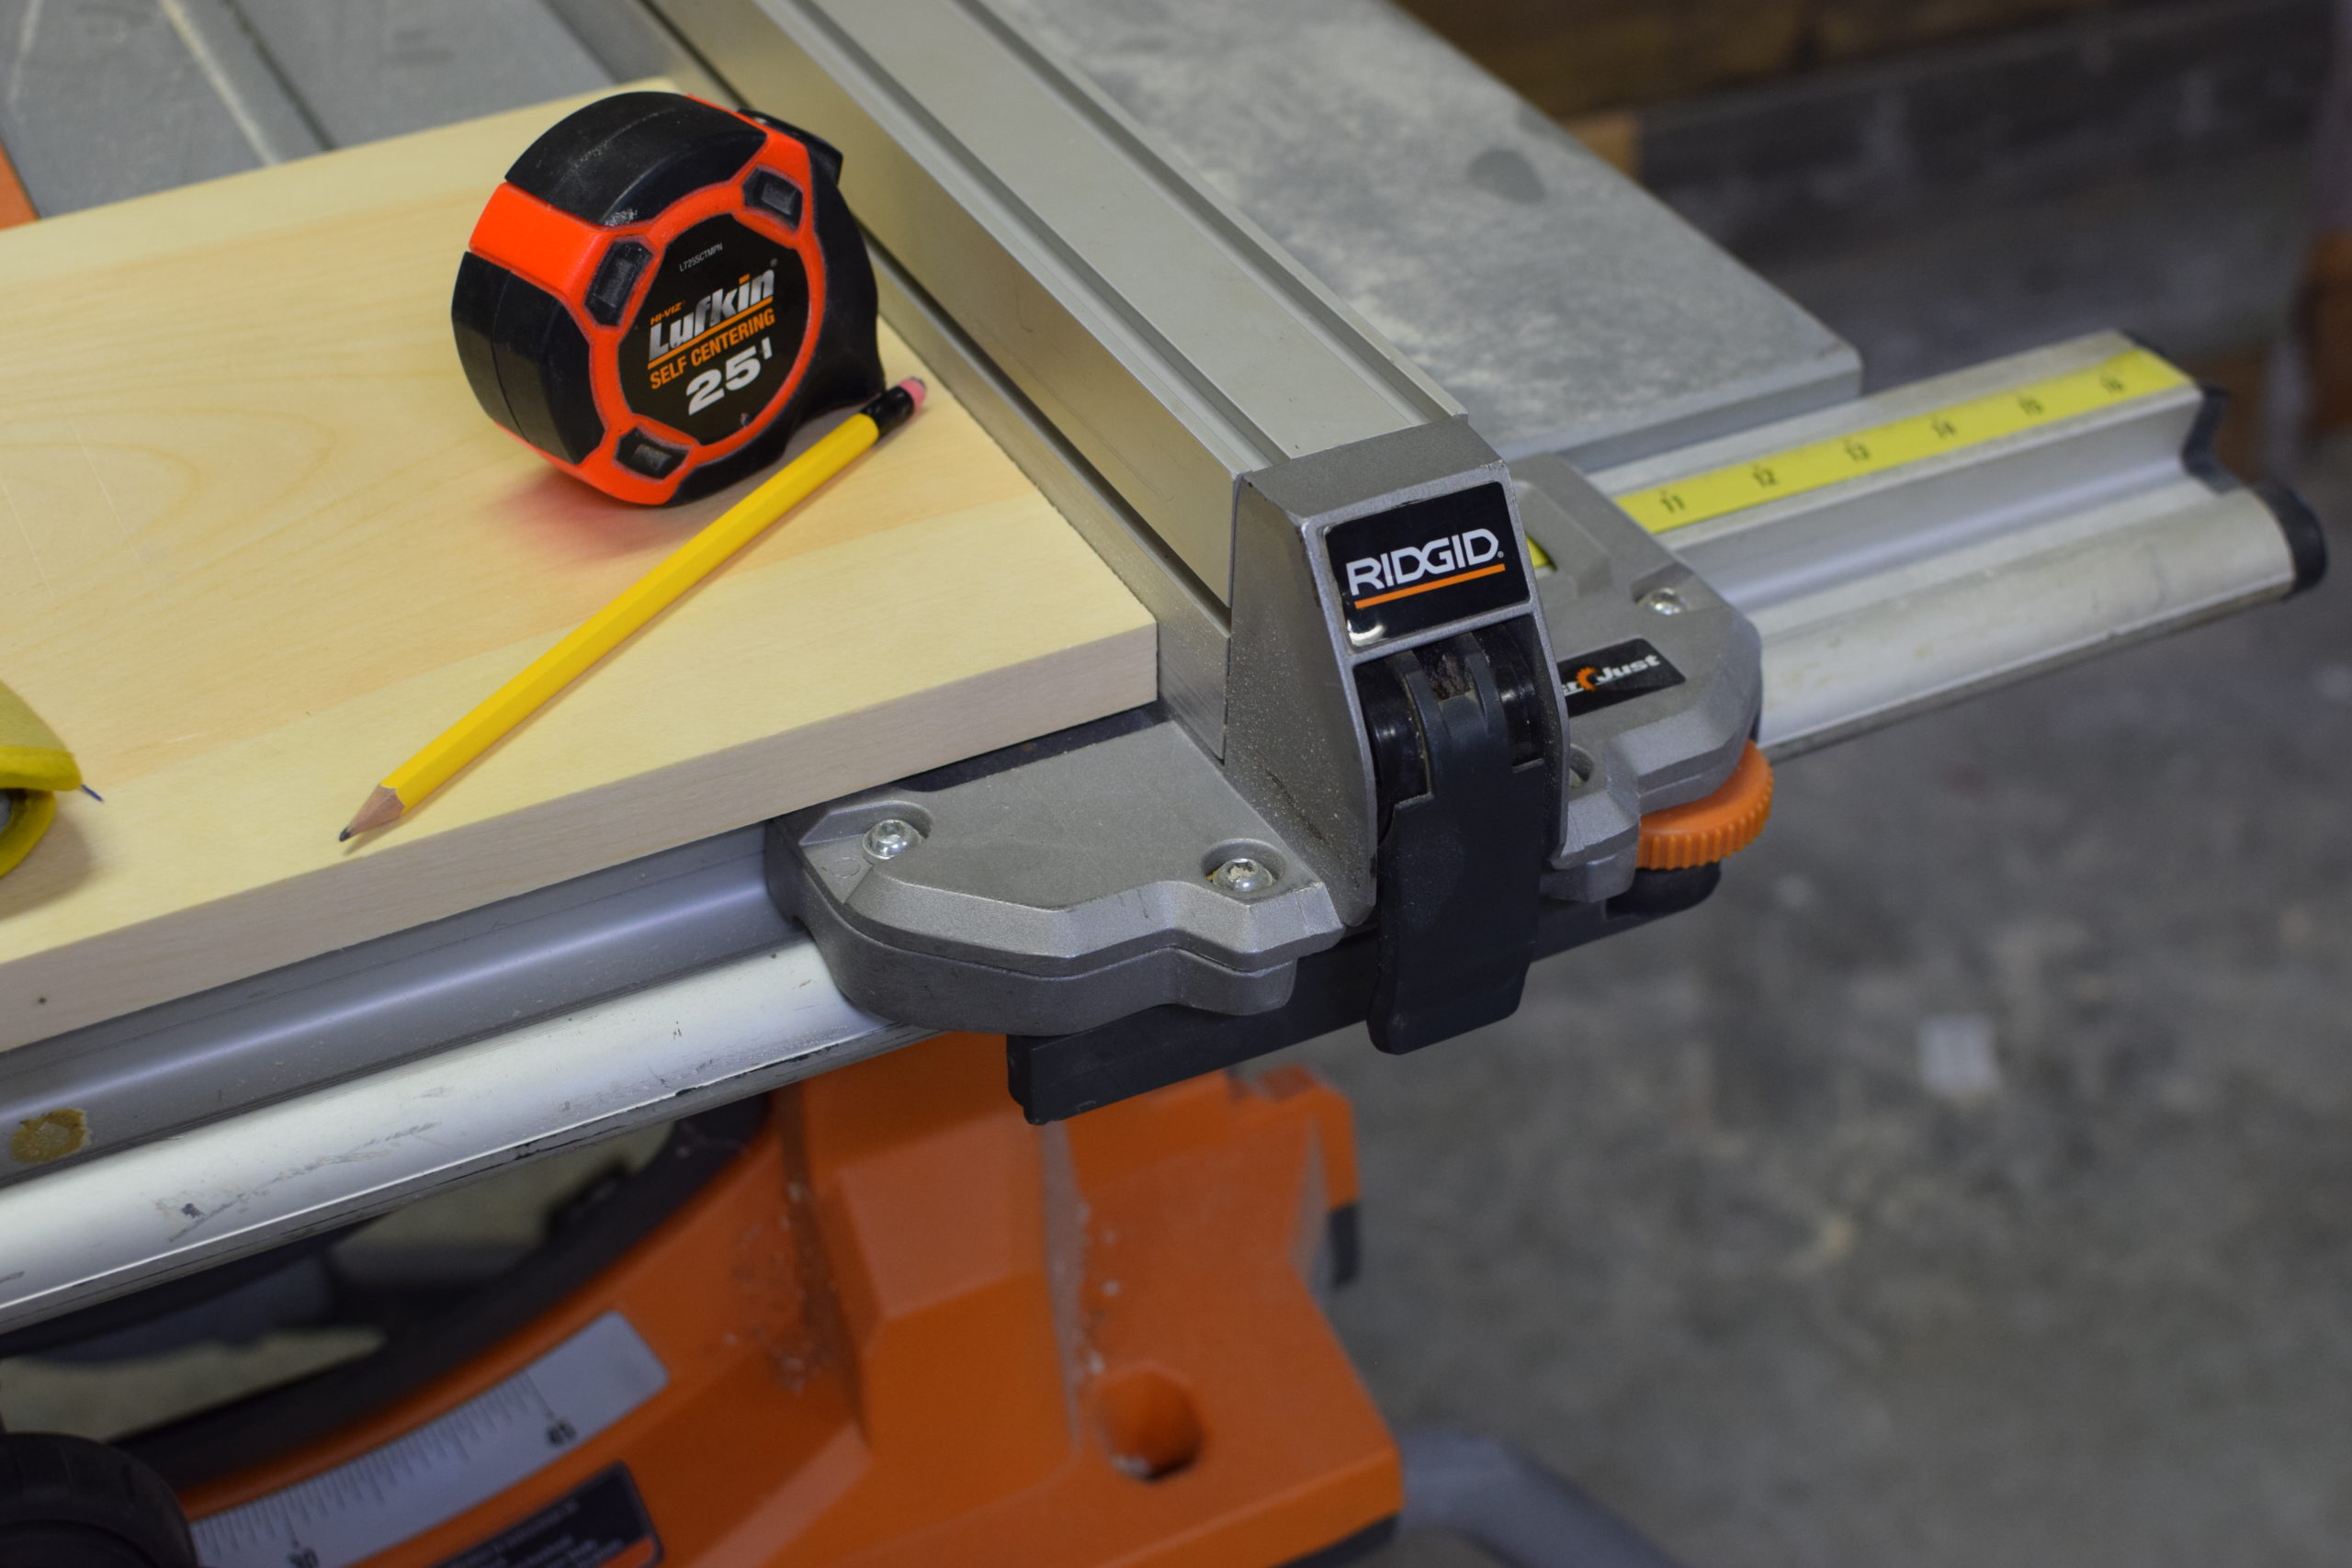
1967, 1182
2200, 262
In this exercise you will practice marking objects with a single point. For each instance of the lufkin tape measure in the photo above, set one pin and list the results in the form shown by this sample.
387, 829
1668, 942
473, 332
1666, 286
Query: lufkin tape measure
662, 292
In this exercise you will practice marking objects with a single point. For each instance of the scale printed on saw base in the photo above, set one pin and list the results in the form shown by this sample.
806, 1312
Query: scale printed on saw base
501, 1436
1735, 487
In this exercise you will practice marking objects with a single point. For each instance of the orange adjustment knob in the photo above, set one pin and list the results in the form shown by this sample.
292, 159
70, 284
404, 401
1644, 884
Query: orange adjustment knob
1707, 830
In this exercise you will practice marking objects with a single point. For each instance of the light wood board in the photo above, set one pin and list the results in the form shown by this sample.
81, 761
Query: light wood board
258, 543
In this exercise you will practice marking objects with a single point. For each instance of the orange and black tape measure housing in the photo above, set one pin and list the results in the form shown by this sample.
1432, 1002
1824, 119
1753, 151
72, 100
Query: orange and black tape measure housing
662, 291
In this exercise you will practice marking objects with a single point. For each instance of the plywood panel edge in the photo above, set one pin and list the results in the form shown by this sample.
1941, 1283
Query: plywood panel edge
128, 968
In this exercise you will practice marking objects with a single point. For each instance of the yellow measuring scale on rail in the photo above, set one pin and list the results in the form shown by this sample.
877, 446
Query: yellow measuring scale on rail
1817, 465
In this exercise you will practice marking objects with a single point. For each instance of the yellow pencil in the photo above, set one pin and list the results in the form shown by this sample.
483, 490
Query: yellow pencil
648, 597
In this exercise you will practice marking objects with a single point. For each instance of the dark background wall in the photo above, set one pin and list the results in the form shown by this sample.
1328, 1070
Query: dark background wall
1573, 57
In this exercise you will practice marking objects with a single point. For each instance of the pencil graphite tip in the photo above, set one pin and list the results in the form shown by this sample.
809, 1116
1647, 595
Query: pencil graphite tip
382, 807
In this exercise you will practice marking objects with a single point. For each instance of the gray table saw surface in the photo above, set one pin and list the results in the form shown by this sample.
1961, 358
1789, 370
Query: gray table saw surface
1410, 181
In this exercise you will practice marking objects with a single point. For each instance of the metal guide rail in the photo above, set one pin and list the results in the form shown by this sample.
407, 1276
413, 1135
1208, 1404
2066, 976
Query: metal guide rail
257, 1174
1951, 537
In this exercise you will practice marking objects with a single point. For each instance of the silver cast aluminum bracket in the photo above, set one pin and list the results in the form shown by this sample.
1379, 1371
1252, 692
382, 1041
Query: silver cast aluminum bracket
1067, 883
1295, 740
1614, 587
1054, 887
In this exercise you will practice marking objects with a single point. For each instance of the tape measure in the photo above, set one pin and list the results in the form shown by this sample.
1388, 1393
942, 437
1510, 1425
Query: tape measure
662, 291
1735, 487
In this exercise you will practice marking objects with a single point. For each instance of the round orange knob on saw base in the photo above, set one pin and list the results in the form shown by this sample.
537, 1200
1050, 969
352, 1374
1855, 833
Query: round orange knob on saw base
1709, 828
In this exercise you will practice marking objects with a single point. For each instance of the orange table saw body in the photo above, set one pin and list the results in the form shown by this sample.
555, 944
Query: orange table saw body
904, 1328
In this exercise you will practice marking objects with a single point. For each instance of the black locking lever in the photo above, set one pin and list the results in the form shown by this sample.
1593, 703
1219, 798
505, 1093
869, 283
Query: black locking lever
1469, 796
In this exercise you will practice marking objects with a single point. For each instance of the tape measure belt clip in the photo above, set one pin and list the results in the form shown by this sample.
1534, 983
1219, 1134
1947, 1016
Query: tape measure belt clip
662, 292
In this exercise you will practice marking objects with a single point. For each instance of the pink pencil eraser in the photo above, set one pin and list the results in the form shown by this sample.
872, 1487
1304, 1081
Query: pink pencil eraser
912, 386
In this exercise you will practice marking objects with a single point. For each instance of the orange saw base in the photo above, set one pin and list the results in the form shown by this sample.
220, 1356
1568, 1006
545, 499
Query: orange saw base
904, 1328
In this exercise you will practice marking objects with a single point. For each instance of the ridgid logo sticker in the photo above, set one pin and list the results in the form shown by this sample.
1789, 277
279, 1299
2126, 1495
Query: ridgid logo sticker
1417, 568
1426, 564
1614, 674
